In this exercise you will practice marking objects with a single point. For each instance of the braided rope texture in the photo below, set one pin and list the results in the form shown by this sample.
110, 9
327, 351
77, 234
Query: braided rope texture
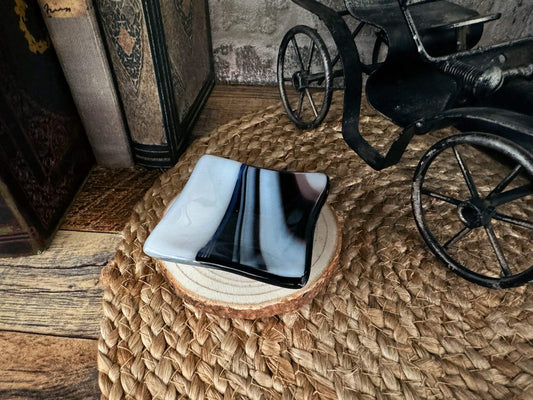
393, 323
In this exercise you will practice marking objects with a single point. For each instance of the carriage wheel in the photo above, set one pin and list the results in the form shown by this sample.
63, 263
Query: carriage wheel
475, 209
305, 76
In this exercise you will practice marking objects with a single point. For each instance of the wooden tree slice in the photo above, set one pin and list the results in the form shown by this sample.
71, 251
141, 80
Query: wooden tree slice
234, 296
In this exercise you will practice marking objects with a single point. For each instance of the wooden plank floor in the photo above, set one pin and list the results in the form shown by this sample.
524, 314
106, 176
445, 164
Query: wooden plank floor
50, 304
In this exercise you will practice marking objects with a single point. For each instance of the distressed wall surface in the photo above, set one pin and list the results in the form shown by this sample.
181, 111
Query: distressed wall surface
247, 33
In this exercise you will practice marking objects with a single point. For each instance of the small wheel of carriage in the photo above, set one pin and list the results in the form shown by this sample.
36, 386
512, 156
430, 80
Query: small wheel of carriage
477, 221
305, 76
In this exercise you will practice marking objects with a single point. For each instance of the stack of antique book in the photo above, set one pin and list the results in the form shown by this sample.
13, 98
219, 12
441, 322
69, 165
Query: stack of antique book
139, 72
116, 82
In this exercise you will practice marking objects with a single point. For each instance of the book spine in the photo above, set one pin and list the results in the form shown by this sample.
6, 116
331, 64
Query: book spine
76, 37
175, 137
146, 43
124, 27
44, 152
188, 49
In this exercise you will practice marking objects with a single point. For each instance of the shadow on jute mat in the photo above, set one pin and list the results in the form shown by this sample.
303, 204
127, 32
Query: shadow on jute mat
392, 323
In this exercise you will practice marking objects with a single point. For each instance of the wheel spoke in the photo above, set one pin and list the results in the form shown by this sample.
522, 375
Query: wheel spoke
311, 53
511, 195
356, 31
514, 221
505, 182
300, 102
310, 98
298, 54
458, 236
466, 173
442, 197
335, 60
497, 250
376, 49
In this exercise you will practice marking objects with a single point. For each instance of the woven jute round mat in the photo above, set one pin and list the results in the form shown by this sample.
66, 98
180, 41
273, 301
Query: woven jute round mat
392, 323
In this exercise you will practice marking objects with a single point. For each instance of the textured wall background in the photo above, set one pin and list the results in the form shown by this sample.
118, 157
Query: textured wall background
247, 33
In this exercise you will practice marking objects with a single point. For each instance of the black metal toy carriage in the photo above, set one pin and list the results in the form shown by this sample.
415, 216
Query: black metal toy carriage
432, 77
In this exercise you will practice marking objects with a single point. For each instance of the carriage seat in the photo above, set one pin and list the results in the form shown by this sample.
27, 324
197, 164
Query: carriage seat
444, 27
392, 84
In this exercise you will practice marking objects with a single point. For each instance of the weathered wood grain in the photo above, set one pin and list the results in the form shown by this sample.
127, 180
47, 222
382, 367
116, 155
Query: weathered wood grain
57, 291
105, 202
69, 249
228, 102
47, 367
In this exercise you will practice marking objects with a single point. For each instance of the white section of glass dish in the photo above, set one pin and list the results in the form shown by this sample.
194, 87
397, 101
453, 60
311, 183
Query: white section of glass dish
288, 259
193, 217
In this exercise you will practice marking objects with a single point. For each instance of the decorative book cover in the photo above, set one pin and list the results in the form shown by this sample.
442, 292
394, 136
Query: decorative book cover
44, 153
76, 38
162, 58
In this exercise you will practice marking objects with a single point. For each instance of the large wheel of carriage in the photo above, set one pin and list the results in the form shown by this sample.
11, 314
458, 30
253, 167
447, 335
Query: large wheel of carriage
473, 204
305, 76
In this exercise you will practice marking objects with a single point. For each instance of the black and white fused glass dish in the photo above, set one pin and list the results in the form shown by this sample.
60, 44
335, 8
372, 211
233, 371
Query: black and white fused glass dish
247, 220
